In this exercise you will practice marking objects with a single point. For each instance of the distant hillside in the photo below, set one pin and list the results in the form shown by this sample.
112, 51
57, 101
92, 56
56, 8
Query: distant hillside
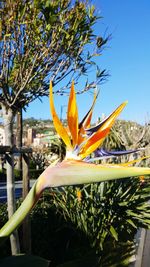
32, 122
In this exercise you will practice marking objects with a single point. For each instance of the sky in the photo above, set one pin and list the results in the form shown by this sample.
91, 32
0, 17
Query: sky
127, 59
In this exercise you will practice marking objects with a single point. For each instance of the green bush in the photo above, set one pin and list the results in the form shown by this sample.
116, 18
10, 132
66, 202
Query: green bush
76, 223
17, 174
5, 249
71, 222
53, 237
34, 174
2, 176
108, 211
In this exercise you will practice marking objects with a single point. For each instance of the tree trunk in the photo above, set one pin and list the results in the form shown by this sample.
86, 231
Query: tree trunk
11, 206
19, 141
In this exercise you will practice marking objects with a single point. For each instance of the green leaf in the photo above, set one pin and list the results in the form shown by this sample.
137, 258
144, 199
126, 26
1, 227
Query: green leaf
114, 233
132, 223
24, 261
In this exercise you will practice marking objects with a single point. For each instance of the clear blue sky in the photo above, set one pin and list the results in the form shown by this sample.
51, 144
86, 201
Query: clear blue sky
127, 58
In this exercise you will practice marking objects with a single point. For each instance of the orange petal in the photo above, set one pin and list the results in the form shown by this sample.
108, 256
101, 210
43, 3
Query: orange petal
112, 117
72, 115
93, 142
85, 123
97, 138
57, 123
87, 119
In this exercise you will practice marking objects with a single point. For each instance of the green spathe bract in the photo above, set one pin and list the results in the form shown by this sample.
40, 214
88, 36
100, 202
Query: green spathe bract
78, 172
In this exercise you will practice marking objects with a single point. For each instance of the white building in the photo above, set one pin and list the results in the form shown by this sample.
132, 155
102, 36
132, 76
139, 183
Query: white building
36, 141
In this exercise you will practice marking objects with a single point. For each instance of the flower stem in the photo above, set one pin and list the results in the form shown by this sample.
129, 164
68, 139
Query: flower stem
20, 213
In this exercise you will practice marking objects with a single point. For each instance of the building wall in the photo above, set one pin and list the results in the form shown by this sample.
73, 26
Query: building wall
30, 136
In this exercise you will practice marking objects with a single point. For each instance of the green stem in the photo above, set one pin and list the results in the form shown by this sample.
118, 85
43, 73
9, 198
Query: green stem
26, 206
20, 213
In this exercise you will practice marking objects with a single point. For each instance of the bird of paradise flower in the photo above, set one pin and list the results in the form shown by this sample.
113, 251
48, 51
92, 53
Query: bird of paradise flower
81, 140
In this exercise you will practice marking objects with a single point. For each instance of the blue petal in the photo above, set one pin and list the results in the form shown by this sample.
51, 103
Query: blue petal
101, 152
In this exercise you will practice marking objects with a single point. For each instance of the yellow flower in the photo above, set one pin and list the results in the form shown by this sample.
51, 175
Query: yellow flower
80, 139
142, 178
79, 195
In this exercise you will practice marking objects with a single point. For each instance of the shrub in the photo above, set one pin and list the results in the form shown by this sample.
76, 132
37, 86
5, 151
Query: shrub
106, 212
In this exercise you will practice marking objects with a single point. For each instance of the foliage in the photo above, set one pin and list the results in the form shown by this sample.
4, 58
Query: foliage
113, 141
131, 135
42, 40
53, 237
3, 218
32, 122
61, 241
69, 223
108, 210
58, 147
17, 175
2, 175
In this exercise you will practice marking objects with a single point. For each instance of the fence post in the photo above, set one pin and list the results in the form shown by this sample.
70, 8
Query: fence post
25, 189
